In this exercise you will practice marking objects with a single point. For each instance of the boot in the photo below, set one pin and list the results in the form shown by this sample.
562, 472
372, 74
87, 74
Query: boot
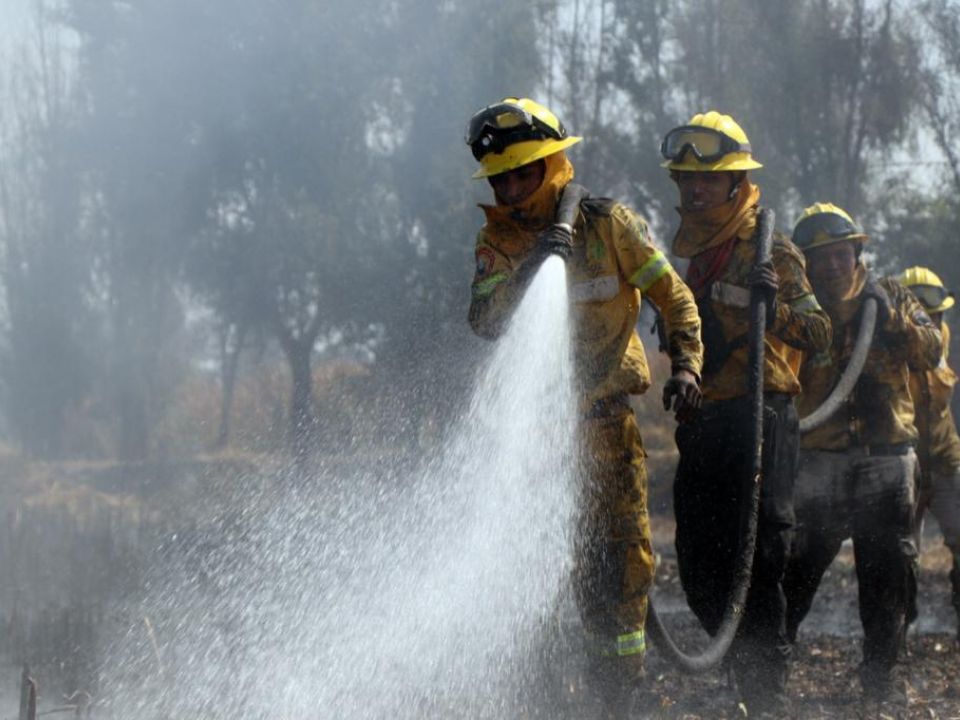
762, 682
613, 681
880, 686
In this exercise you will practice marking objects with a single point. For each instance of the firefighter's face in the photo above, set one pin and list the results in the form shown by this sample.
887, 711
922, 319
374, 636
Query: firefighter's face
515, 186
704, 190
830, 269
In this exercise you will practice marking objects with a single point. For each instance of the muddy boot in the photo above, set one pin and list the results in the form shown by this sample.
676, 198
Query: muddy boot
613, 680
761, 672
765, 699
881, 688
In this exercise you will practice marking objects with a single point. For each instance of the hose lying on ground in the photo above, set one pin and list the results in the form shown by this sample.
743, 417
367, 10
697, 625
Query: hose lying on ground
711, 656
851, 373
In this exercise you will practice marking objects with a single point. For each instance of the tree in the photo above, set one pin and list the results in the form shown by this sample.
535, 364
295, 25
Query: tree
822, 88
46, 367
137, 67
285, 223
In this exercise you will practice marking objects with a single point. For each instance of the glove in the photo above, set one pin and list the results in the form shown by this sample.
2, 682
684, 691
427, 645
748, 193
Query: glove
682, 392
556, 240
764, 279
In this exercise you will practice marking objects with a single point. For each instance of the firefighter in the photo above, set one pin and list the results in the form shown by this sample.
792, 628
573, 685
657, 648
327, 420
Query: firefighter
857, 470
938, 446
709, 159
611, 262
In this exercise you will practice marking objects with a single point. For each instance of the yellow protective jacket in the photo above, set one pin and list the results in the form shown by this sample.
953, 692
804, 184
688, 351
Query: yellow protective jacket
614, 261
938, 445
880, 409
800, 323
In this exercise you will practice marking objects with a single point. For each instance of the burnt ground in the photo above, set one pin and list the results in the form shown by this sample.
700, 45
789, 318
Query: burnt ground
823, 682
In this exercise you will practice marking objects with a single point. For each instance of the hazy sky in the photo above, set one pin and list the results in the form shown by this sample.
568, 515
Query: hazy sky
13, 19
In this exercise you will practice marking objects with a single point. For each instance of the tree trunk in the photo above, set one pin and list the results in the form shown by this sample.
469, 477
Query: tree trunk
302, 423
229, 363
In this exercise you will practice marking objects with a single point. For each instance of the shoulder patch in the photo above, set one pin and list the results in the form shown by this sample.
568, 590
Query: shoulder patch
485, 261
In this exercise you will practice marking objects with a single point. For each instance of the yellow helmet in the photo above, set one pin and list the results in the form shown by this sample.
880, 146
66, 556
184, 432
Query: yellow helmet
710, 142
928, 288
823, 224
512, 133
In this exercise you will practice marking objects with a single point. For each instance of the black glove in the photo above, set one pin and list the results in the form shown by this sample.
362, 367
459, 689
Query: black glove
556, 240
886, 315
682, 392
764, 279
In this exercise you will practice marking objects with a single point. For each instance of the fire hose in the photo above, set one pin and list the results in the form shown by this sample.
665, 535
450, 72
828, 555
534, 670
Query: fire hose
711, 656
847, 381
570, 203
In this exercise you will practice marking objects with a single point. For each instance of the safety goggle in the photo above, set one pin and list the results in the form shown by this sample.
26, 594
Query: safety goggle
497, 126
930, 296
830, 224
706, 144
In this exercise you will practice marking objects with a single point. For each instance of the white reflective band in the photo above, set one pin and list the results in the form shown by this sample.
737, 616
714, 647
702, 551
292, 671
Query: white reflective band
805, 303
596, 290
732, 295
651, 271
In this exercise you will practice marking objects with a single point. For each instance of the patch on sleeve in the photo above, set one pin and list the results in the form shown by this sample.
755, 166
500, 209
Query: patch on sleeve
641, 229
485, 261
596, 250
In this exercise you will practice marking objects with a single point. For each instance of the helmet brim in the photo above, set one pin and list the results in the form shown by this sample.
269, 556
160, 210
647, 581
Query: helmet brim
520, 154
945, 305
861, 238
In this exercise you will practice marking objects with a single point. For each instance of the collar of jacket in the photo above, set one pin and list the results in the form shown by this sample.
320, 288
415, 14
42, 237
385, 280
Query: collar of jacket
705, 229
539, 210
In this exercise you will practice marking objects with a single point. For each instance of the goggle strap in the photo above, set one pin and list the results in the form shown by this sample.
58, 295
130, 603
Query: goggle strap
500, 140
529, 120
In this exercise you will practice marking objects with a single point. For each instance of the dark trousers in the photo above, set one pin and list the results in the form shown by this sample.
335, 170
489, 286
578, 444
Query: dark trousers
711, 494
851, 494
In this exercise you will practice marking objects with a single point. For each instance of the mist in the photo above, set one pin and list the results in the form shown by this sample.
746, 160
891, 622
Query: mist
236, 247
